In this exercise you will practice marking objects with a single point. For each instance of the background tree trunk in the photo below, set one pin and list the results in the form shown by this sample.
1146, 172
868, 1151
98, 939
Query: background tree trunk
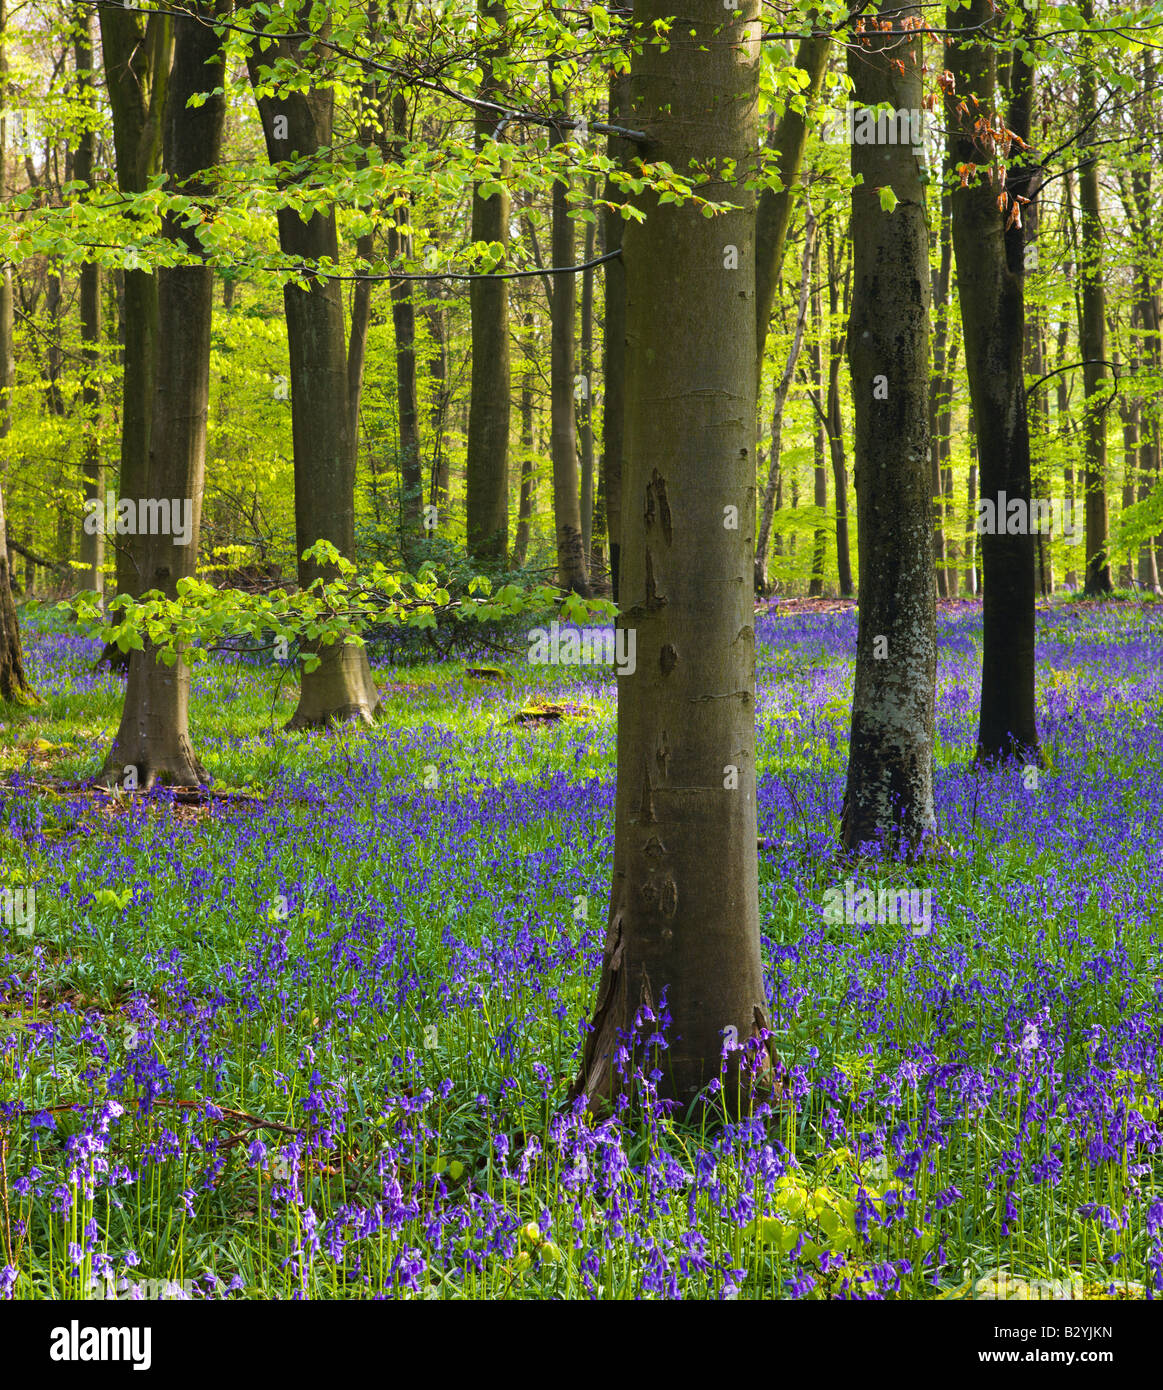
153, 738
941, 385
1136, 187
772, 493
820, 439
487, 462
1062, 405
1092, 329
839, 303
137, 60
92, 542
773, 211
434, 316
585, 401
341, 688
14, 685
528, 478
889, 793
404, 325
991, 290
614, 341
571, 556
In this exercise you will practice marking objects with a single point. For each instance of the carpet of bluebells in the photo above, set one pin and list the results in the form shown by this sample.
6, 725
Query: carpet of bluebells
314, 1042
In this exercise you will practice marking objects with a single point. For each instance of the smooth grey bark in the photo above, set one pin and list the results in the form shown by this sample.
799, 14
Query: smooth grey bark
1150, 322
971, 528
434, 316
92, 543
614, 339
1138, 193
789, 137
572, 568
153, 741
772, 490
585, 403
888, 797
341, 689
14, 686
1039, 423
137, 58
404, 326
940, 389
528, 478
819, 445
1130, 411
684, 914
1092, 328
369, 110
361, 313
839, 303
988, 241
487, 458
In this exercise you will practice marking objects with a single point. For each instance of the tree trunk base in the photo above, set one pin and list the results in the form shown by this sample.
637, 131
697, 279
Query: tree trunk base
15, 691
152, 747
600, 1081
994, 753
145, 767
341, 690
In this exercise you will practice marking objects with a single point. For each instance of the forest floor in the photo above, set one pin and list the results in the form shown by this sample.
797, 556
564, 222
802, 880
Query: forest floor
316, 1041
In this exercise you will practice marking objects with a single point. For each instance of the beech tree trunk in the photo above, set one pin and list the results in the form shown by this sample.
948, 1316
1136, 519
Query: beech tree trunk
1138, 192
684, 914
1150, 324
991, 290
404, 325
434, 316
1130, 411
1092, 330
838, 306
572, 570
585, 398
361, 313
14, 686
773, 211
487, 462
1062, 406
1040, 477
92, 543
614, 340
153, 741
820, 447
772, 491
341, 688
137, 59
528, 479
941, 384
971, 527
888, 798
